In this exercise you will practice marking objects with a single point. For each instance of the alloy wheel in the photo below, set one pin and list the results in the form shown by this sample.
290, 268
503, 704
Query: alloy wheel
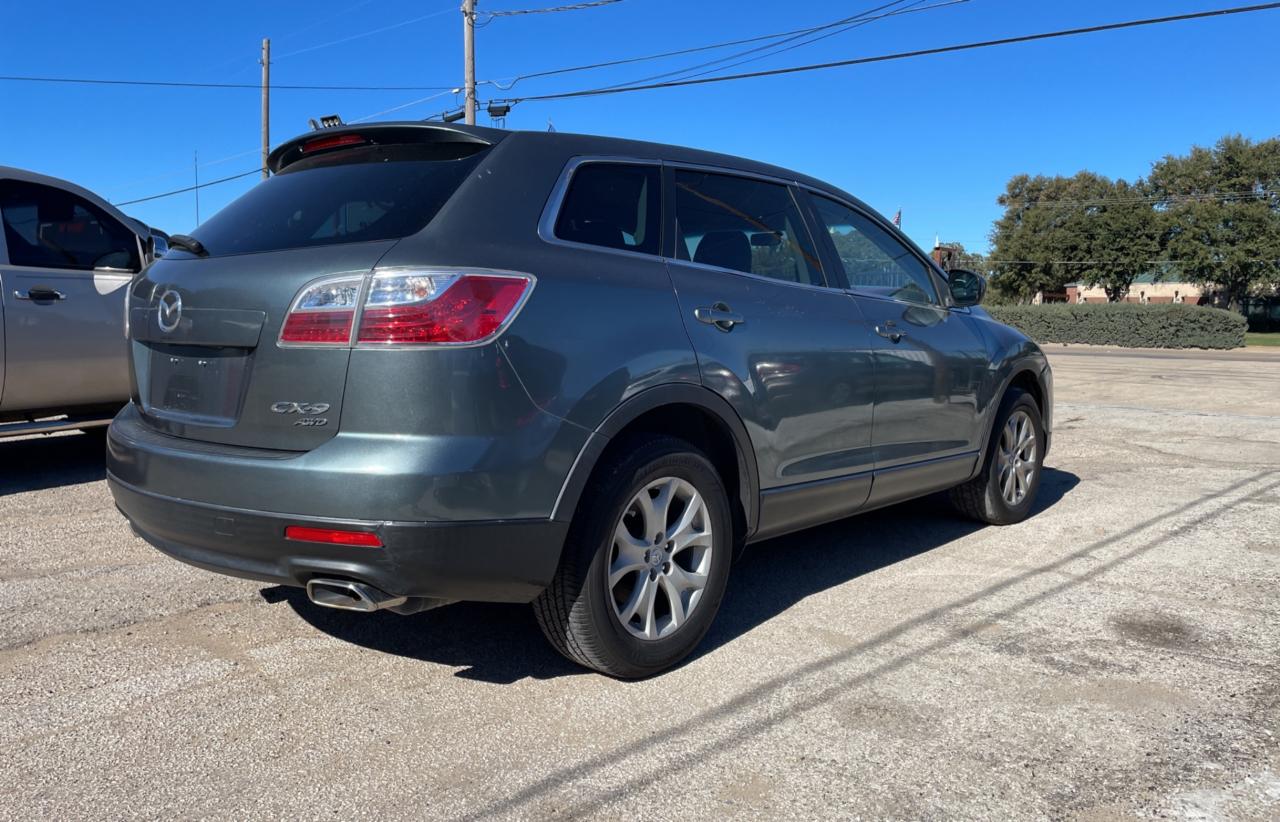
1017, 457
660, 558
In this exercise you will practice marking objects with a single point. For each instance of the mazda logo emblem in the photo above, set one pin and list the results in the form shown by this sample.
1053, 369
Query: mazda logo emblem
170, 310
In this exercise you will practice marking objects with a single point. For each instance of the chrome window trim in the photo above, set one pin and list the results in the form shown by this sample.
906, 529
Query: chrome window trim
930, 266
825, 289
733, 172
551, 212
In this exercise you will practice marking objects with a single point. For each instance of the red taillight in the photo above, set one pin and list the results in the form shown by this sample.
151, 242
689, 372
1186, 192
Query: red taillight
323, 313
406, 308
318, 327
332, 536
439, 308
337, 141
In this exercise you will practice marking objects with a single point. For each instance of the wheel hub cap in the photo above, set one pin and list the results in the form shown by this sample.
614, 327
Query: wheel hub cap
1017, 458
660, 558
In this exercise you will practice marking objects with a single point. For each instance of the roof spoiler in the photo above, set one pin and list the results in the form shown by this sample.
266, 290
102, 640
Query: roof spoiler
293, 150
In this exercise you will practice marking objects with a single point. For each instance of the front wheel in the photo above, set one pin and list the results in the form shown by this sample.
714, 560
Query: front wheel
645, 564
1006, 489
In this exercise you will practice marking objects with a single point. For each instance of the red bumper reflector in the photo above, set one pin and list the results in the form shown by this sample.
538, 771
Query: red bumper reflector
332, 536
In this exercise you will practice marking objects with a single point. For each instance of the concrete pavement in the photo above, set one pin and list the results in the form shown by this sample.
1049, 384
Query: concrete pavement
1116, 656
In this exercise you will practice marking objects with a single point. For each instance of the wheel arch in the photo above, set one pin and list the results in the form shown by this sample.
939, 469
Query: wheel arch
690, 412
1025, 377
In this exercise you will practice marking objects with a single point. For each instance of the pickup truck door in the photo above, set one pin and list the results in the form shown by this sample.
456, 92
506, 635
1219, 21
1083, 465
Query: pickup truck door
62, 287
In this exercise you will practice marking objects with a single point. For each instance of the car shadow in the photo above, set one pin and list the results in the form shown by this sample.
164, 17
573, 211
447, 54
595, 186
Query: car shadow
502, 643
37, 463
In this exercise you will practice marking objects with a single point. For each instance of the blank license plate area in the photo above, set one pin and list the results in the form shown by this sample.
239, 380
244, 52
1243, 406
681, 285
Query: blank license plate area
196, 384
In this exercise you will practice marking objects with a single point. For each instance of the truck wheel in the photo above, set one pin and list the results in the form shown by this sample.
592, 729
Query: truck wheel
1006, 489
645, 563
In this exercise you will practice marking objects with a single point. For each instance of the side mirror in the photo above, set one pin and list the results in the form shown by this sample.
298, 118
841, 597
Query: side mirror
967, 287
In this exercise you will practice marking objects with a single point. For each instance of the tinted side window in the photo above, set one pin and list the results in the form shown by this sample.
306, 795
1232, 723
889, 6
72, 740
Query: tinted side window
742, 224
51, 228
615, 205
874, 261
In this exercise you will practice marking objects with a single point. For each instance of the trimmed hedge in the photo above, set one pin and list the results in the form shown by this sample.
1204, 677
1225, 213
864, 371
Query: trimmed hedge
1128, 325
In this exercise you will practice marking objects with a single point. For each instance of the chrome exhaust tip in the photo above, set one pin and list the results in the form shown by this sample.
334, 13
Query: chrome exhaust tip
349, 595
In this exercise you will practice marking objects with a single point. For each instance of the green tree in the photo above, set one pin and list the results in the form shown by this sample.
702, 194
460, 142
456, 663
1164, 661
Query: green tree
1038, 231
1084, 228
1219, 215
1120, 239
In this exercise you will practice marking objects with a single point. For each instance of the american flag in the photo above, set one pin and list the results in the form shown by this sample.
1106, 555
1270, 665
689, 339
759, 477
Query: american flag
897, 219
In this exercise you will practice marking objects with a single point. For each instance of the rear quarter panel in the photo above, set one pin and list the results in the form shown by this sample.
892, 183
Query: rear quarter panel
599, 327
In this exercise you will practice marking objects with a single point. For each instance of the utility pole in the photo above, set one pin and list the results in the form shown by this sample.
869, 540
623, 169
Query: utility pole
266, 103
469, 57
195, 170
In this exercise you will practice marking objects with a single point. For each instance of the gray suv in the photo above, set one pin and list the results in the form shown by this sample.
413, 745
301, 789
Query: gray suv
427, 363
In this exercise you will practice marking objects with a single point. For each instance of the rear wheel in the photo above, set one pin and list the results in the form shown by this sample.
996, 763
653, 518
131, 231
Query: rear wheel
645, 563
1006, 489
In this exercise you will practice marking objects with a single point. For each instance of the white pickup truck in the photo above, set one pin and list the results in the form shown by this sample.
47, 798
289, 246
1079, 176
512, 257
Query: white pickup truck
66, 259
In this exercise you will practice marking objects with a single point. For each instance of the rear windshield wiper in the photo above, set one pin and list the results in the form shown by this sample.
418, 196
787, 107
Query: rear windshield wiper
188, 243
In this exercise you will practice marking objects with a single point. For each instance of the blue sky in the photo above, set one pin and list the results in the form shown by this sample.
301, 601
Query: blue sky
936, 136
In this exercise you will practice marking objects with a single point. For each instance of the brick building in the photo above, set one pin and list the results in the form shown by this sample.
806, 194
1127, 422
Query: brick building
1145, 289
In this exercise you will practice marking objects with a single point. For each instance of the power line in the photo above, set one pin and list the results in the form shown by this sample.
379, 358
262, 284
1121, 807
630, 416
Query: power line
914, 8
176, 84
665, 54
137, 180
1005, 41
862, 18
773, 72
190, 188
553, 10
1152, 199
409, 104
256, 150
364, 34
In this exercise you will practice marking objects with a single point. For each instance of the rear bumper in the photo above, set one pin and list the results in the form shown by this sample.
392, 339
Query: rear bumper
497, 561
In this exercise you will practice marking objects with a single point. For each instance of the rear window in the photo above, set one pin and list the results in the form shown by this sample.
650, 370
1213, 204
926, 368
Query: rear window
349, 196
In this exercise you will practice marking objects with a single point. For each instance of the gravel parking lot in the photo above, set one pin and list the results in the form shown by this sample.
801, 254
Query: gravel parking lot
1117, 655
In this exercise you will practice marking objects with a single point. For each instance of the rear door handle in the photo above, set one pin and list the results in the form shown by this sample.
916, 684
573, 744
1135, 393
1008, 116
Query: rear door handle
719, 315
40, 294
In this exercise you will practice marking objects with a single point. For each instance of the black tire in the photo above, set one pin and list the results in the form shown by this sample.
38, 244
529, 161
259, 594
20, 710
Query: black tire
576, 612
981, 498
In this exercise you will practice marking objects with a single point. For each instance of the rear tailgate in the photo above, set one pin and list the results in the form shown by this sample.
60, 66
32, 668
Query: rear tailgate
220, 375
205, 322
